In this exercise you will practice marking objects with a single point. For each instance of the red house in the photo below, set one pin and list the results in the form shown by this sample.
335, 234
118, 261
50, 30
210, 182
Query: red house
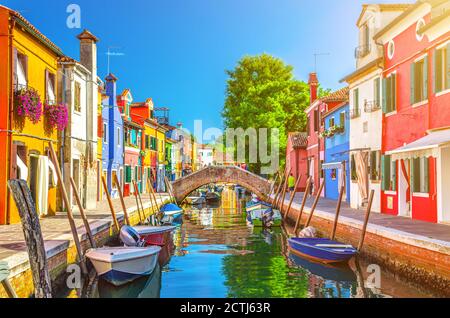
296, 157
315, 124
416, 113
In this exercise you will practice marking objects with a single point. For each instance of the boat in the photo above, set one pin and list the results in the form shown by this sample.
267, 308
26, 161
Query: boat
121, 265
264, 218
154, 235
195, 200
322, 250
172, 213
212, 197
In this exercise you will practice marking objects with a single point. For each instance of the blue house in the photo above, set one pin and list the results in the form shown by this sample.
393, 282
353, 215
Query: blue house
113, 142
336, 167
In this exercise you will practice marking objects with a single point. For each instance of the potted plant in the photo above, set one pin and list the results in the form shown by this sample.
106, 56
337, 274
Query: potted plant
28, 104
57, 115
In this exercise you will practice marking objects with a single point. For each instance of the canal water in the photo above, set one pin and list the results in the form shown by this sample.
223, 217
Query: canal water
215, 254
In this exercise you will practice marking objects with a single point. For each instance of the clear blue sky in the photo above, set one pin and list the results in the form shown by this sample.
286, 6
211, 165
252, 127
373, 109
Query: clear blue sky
177, 51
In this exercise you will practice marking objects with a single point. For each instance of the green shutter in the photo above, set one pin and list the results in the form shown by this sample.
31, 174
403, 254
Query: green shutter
437, 69
425, 78
384, 92
447, 69
412, 84
394, 175
427, 175
415, 175
394, 92
385, 172
127, 174
377, 91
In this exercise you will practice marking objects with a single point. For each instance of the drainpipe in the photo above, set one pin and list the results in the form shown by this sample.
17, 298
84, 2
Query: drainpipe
11, 111
63, 133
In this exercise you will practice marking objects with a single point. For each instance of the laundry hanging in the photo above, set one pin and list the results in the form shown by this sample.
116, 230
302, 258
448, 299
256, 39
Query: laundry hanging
42, 181
23, 168
362, 173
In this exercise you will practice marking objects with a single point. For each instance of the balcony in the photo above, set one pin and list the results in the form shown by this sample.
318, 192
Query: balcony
354, 113
371, 106
362, 51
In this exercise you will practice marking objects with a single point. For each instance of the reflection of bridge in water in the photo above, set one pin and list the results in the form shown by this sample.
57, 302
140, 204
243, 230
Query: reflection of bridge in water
217, 174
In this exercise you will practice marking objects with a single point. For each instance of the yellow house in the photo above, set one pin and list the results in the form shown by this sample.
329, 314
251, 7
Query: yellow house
28, 63
161, 140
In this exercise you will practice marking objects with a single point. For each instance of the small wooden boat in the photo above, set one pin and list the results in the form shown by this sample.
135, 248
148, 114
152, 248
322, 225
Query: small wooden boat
121, 265
154, 235
254, 205
322, 249
264, 218
172, 213
212, 197
195, 200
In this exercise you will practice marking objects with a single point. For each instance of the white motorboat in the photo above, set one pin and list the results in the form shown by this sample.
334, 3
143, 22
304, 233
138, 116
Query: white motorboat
121, 265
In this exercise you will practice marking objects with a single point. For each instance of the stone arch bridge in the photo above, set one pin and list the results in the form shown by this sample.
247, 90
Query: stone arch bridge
227, 174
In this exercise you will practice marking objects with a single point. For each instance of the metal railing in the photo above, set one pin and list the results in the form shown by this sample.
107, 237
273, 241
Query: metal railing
362, 50
371, 106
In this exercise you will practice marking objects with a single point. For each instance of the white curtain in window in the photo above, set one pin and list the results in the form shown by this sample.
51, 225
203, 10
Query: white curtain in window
20, 70
54, 179
42, 180
50, 91
22, 168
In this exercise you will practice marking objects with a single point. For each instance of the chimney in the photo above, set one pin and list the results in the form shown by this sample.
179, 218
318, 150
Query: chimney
111, 89
88, 51
313, 84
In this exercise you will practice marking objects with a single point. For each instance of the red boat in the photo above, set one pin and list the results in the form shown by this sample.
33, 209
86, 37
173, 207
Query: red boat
155, 235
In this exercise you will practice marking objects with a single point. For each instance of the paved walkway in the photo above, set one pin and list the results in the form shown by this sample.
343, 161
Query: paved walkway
437, 232
56, 230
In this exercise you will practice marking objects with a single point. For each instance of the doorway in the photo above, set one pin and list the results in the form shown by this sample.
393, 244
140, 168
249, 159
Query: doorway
404, 188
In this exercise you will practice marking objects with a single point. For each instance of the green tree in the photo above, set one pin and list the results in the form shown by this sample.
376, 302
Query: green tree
263, 93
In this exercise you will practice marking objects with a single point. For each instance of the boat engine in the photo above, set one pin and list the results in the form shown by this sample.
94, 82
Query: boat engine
130, 237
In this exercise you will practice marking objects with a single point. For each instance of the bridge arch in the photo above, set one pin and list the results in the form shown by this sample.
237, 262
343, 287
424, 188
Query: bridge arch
214, 174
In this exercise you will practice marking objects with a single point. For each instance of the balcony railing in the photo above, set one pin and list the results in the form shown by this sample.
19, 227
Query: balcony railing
371, 106
362, 50
354, 113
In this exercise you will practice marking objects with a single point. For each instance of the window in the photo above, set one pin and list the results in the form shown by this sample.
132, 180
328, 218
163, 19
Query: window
419, 81
353, 174
374, 165
77, 101
388, 174
147, 142
21, 70
366, 37
390, 93
391, 49
419, 25
342, 119
331, 123
153, 143
138, 140
365, 127
50, 87
128, 174
105, 136
420, 181
356, 100
316, 120
442, 69
114, 176
118, 137
376, 93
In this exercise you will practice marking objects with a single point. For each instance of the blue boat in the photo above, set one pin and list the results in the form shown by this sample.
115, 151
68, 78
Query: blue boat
322, 249
172, 213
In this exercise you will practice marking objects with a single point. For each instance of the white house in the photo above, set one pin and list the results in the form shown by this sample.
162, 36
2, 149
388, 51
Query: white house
365, 104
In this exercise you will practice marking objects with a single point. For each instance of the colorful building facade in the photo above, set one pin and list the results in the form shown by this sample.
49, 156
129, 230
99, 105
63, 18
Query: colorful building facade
416, 117
296, 157
29, 66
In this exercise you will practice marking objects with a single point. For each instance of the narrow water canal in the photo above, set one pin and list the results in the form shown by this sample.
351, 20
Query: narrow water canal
215, 254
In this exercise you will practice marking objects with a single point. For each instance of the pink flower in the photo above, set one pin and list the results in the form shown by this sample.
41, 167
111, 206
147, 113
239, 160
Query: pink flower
57, 115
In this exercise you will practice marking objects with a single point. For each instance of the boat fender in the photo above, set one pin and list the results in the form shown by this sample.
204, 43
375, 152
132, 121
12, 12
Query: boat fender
129, 236
308, 232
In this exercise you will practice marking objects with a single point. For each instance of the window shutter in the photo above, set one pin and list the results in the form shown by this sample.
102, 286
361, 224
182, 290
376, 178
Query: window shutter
15, 67
394, 92
436, 70
46, 84
415, 175
377, 91
384, 92
385, 172
447, 69
425, 78
426, 177
13, 162
412, 84
394, 175
389, 94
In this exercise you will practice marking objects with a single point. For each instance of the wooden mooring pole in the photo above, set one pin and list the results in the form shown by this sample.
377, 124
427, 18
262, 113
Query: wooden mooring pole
169, 190
277, 192
150, 192
366, 221
111, 206
305, 196
291, 199
135, 190
33, 238
82, 213
65, 197
313, 208
122, 201
283, 195
338, 210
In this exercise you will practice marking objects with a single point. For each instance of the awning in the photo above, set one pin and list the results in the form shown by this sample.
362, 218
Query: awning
424, 147
332, 165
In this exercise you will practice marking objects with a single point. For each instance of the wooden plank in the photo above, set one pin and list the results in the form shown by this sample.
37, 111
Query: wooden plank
305, 196
111, 207
291, 200
122, 201
313, 208
366, 221
33, 238
62, 189
83, 214
338, 210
